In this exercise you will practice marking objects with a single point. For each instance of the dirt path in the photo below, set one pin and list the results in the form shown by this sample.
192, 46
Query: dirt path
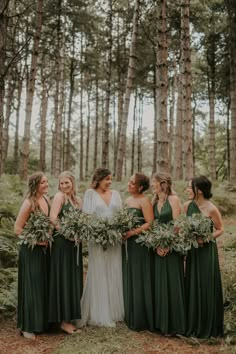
106, 340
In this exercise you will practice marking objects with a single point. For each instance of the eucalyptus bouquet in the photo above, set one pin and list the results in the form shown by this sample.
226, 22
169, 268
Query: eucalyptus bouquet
76, 225
159, 235
123, 220
104, 232
36, 230
190, 228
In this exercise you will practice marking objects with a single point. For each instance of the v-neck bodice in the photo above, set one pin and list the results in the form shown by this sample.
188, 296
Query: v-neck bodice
165, 215
95, 204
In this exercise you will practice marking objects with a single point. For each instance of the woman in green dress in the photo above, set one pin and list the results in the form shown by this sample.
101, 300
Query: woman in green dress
204, 299
33, 265
66, 276
137, 260
169, 294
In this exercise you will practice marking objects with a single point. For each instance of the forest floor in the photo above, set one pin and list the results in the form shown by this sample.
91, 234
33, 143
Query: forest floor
112, 340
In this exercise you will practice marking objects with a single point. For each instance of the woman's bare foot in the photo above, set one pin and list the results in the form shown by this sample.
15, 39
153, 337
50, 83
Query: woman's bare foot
69, 328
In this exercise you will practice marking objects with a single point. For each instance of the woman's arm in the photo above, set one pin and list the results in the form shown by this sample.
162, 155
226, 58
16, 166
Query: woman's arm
175, 206
23, 216
57, 203
217, 221
147, 210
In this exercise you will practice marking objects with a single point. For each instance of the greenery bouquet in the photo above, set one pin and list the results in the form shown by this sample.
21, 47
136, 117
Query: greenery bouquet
104, 231
159, 235
190, 228
36, 230
76, 225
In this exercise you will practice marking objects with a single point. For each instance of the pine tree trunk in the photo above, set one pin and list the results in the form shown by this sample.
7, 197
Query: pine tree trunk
30, 92
211, 95
140, 129
133, 134
105, 149
162, 89
129, 87
178, 139
88, 136
154, 162
9, 105
171, 121
61, 101
43, 120
231, 8
16, 140
186, 90
3, 35
96, 127
67, 151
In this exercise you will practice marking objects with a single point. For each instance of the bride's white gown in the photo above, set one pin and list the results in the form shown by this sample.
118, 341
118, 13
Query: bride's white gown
102, 301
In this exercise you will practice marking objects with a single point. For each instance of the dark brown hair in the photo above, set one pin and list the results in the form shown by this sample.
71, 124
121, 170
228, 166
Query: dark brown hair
99, 174
142, 181
203, 184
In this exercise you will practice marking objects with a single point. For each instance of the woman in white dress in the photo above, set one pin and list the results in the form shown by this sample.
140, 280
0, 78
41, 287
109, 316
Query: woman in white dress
102, 301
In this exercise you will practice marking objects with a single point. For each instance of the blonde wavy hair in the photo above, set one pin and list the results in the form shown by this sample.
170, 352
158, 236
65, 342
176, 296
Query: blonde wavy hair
33, 185
70, 176
166, 185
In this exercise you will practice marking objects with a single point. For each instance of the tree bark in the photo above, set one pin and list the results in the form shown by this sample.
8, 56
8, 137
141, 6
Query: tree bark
140, 129
43, 121
186, 90
211, 96
154, 162
171, 120
162, 89
231, 8
133, 135
16, 140
30, 92
178, 139
105, 149
129, 87
3, 35
88, 136
9, 107
96, 126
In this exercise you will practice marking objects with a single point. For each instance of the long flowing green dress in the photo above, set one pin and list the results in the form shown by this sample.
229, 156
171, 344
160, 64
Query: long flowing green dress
204, 299
169, 291
33, 277
137, 282
66, 278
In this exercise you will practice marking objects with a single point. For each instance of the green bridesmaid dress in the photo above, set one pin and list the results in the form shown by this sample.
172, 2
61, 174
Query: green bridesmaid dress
66, 278
204, 299
169, 306
137, 282
33, 277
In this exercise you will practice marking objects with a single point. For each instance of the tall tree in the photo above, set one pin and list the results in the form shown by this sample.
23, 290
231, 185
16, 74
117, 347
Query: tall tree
185, 64
162, 89
30, 91
231, 8
178, 139
105, 148
211, 59
128, 91
3, 35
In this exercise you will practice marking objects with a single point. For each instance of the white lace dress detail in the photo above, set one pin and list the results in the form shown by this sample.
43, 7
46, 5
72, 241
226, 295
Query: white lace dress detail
102, 301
